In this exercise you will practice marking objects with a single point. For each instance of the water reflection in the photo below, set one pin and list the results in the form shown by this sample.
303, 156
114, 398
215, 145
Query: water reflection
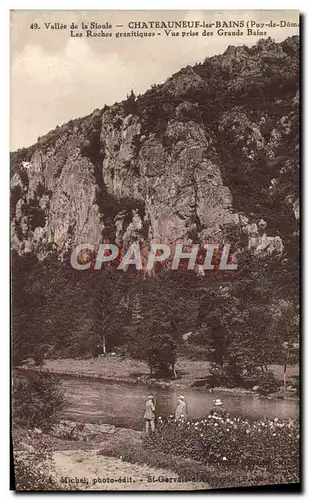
123, 404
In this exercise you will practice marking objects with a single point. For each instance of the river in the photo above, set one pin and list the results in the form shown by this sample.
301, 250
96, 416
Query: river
122, 404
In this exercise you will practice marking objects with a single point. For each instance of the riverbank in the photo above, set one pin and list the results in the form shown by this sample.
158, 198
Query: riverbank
190, 373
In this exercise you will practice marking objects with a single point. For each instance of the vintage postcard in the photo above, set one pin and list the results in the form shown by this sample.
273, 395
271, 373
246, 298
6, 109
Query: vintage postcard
155, 250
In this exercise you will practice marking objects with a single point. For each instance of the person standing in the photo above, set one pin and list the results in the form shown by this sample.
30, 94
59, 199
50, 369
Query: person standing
149, 414
181, 409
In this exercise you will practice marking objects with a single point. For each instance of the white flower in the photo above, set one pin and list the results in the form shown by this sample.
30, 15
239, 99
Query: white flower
171, 416
224, 458
247, 431
274, 434
215, 425
202, 435
209, 416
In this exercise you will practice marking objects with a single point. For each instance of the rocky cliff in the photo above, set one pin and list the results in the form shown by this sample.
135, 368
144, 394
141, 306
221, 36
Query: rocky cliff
210, 155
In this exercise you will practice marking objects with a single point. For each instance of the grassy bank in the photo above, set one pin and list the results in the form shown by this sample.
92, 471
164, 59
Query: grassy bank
189, 372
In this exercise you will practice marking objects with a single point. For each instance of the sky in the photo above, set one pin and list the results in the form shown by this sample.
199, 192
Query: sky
56, 78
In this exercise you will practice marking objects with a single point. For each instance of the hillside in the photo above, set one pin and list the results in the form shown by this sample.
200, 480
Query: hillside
207, 154
211, 155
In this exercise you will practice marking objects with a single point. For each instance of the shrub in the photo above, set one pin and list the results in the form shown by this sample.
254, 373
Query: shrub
46, 401
267, 448
33, 469
187, 469
16, 194
118, 123
166, 451
35, 215
266, 382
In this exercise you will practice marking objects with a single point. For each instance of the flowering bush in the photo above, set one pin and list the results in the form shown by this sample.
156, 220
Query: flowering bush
266, 447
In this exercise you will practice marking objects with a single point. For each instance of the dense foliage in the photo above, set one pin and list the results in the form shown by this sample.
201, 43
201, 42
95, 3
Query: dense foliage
47, 400
267, 448
31, 469
59, 311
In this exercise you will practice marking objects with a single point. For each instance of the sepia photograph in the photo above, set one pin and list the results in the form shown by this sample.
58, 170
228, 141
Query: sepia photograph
154, 237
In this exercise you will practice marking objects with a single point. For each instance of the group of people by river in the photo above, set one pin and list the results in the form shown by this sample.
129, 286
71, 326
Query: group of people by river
181, 411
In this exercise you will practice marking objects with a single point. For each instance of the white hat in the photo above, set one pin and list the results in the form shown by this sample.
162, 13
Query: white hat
150, 397
218, 402
181, 397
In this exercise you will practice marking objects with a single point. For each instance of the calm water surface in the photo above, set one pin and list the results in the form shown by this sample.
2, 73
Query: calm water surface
123, 404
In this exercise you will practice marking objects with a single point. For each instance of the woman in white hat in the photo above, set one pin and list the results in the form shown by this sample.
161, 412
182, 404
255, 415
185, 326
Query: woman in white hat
181, 409
149, 414
218, 409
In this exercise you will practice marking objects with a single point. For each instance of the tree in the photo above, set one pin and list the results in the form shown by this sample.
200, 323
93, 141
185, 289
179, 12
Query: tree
109, 309
59, 310
236, 324
152, 342
162, 307
47, 400
130, 105
222, 332
286, 330
27, 301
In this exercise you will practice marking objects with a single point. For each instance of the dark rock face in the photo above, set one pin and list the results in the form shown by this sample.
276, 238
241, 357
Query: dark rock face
211, 153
